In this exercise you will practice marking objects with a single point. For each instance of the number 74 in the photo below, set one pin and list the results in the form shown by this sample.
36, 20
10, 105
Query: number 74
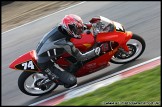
28, 65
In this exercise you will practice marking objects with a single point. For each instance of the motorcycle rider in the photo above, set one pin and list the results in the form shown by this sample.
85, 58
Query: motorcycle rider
54, 43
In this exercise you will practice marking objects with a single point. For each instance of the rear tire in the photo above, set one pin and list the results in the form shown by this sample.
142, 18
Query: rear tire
140, 47
22, 84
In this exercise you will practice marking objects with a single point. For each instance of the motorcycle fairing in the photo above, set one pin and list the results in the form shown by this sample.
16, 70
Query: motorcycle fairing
26, 62
119, 37
85, 43
96, 64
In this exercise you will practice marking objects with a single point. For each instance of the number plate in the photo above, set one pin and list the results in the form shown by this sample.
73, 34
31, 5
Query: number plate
28, 65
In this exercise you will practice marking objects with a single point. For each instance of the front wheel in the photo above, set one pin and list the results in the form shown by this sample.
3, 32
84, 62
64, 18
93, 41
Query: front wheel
136, 47
28, 83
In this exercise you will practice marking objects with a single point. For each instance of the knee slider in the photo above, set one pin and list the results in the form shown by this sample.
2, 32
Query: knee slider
72, 80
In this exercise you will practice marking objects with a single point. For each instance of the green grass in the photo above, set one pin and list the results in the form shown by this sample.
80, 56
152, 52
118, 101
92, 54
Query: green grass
138, 89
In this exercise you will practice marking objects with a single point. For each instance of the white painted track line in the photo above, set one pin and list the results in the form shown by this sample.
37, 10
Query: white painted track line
44, 17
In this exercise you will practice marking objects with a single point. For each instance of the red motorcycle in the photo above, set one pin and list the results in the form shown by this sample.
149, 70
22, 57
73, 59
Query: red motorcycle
117, 46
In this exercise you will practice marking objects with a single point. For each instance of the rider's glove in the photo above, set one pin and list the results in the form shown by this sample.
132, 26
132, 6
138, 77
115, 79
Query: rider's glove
87, 25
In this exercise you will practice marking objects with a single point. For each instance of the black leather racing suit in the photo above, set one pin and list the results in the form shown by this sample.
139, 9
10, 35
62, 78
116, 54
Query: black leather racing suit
52, 45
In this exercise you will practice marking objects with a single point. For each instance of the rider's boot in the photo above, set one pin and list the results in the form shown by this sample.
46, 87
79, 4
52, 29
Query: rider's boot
66, 78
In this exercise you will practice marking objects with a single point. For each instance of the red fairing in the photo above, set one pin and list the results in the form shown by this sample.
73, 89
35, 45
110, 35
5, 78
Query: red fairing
28, 57
95, 65
63, 63
85, 43
119, 37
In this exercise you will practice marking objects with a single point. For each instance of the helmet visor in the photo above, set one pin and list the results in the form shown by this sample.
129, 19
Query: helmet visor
76, 30
79, 30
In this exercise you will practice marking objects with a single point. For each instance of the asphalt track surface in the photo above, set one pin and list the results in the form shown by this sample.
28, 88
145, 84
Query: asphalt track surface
142, 18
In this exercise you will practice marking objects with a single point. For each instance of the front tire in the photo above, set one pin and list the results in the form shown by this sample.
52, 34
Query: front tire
31, 89
136, 45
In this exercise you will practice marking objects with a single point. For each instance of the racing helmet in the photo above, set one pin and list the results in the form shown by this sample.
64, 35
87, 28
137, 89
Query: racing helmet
73, 24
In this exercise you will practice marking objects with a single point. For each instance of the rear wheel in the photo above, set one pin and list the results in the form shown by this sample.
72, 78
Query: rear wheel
136, 47
28, 83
